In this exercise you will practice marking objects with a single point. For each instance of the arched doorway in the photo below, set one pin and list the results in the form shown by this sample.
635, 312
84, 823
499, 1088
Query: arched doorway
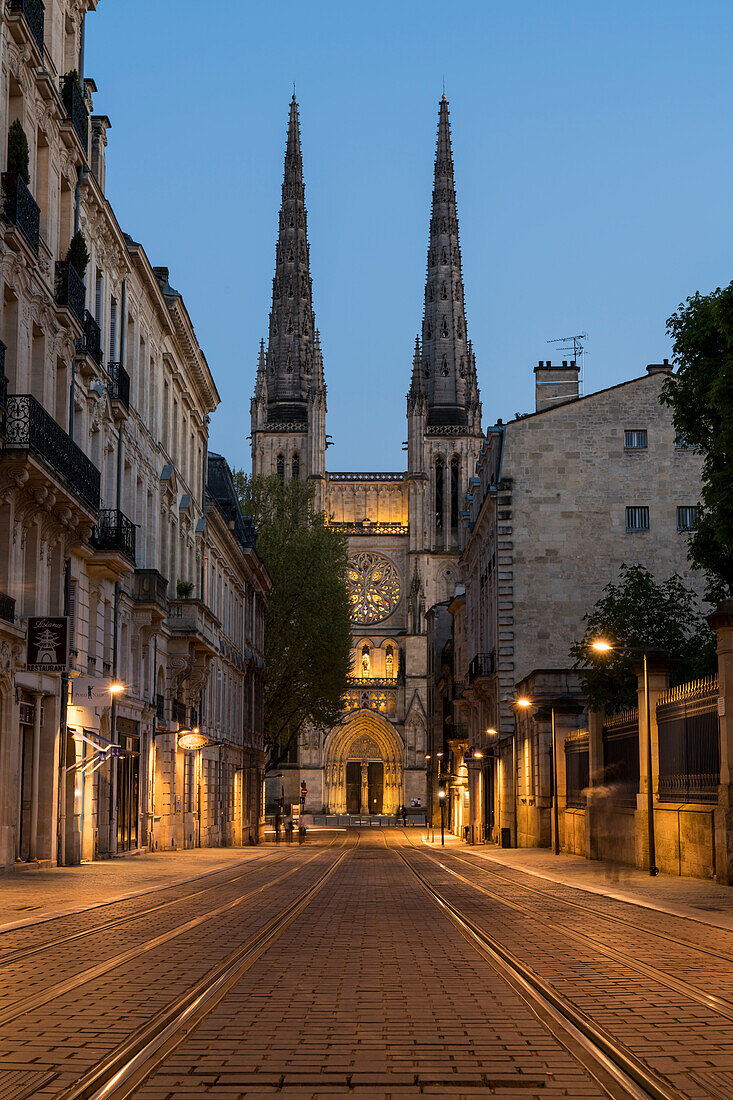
364, 761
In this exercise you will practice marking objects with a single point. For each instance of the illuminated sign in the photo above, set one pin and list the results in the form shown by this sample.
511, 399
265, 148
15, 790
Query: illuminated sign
191, 741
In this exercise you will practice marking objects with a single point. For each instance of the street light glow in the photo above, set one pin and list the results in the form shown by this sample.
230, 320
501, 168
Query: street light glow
478, 755
601, 647
492, 732
438, 754
524, 702
441, 794
116, 688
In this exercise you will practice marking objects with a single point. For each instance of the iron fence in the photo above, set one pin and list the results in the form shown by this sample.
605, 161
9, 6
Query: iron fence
481, 665
577, 770
32, 11
21, 209
70, 289
114, 532
119, 388
7, 608
689, 743
621, 755
76, 109
91, 342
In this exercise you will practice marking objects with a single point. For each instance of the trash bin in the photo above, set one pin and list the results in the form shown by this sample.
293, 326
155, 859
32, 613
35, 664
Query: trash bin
506, 838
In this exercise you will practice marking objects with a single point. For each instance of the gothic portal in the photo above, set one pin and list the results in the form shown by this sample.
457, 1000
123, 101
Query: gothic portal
404, 528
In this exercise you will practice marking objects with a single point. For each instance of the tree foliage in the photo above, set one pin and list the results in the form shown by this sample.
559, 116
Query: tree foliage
18, 154
700, 394
641, 612
78, 254
307, 625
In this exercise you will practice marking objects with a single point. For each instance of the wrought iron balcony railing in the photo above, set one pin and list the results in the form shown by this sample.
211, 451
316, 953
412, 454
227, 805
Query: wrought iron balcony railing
7, 608
32, 12
119, 389
149, 586
27, 424
21, 209
76, 109
481, 665
179, 712
91, 342
114, 533
70, 289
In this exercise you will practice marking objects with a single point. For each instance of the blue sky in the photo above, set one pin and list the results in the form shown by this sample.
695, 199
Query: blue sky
593, 154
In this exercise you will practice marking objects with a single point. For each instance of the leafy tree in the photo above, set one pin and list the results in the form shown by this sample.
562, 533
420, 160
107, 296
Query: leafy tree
639, 611
18, 154
307, 624
77, 254
700, 394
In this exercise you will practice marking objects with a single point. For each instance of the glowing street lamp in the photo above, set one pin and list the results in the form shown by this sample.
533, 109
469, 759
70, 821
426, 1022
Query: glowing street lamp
116, 688
600, 645
441, 796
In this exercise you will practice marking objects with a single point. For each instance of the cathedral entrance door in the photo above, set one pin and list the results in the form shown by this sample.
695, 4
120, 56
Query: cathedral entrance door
376, 788
353, 787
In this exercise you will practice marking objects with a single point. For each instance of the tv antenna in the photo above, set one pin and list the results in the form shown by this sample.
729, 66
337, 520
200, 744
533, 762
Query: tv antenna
576, 346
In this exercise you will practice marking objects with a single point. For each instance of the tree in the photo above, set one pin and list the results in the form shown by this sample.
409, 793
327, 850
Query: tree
307, 624
639, 611
78, 254
18, 155
700, 394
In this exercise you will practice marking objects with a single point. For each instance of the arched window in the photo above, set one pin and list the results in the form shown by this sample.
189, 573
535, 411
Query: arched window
365, 661
389, 662
295, 467
455, 490
439, 490
281, 467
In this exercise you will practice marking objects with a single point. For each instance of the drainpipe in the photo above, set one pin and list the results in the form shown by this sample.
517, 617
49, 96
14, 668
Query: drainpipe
61, 823
111, 848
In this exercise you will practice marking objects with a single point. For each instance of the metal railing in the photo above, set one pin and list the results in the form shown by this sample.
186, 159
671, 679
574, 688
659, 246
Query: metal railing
76, 109
577, 769
372, 682
366, 527
32, 12
7, 608
179, 711
70, 289
689, 744
149, 586
21, 209
160, 707
481, 665
91, 342
119, 389
114, 532
3, 377
27, 424
621, 756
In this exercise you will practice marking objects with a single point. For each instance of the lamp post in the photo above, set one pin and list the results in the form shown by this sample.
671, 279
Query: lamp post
601, 646
441, 796
524, 702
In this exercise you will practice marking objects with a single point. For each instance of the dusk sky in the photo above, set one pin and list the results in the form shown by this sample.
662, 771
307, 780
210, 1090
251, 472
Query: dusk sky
592, 148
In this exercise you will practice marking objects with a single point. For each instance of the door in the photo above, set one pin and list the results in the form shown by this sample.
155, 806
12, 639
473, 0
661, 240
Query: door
128, 780
353, 787
376, 788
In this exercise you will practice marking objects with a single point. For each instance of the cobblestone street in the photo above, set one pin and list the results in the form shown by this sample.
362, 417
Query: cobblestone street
367, 963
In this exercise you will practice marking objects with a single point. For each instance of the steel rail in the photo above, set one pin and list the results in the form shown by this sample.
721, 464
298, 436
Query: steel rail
609, 1062
117, 922
49, 993
478, 865
118, 1074
708, 1000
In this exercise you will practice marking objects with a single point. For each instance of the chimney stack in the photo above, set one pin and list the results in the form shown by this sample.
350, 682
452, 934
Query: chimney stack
555, 385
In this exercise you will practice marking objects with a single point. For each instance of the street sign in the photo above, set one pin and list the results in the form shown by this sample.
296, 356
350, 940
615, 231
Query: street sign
48, 646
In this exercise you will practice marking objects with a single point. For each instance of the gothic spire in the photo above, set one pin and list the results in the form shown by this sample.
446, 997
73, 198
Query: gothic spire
446, 361
291, 351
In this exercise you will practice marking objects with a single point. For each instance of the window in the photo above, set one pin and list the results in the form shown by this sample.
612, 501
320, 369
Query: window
295, 466
439, 469
113, 330
455, 481
635, 440
680, 443
637, 519
281, 466
687, 517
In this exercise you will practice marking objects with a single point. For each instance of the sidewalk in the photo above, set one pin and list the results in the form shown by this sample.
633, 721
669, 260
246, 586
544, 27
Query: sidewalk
691, 898
29, 896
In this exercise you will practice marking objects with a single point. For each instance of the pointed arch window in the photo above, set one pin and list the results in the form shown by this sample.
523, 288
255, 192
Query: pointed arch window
289, 364
365, 660
443, 292
459, 328
444, 368
295, 467
439, 493
426, 369
389, 662
444, 258
444, 329
290, 323
280, 466
429, 332
430, 292
455, 490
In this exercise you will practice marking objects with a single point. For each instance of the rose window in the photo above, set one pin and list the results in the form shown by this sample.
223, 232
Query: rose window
373, 585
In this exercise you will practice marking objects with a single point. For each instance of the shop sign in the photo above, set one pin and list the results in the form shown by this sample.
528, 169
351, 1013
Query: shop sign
192, 741
91, 691
48, 646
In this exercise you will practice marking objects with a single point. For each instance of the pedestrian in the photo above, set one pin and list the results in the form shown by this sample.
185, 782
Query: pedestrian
404, 814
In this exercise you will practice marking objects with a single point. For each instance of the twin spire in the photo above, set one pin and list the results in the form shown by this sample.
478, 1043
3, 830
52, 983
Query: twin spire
444, 369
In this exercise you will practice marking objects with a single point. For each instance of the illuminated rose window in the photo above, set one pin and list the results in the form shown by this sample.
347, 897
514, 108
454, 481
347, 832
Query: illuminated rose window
373, 584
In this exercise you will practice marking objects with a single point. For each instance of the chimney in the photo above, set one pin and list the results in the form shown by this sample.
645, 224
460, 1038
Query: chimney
555, 385
659, 368
100, 125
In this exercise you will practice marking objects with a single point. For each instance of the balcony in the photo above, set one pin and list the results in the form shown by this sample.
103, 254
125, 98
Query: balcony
91, 342
119, 388
114, 534
28, 425
72, 98
21, 209
192, 619
372, 682
32, 13
481, 666
7, 608
70, 289
150, 587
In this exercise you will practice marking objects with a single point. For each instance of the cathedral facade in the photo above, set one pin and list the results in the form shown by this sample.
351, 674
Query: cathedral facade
404, 528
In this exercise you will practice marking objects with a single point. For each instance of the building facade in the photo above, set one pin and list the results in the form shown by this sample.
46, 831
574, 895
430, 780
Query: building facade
404, 528
561, 499
104, 514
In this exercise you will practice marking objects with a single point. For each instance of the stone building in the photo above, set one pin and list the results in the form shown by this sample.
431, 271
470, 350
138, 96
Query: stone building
561, 498
404, 528
103, 514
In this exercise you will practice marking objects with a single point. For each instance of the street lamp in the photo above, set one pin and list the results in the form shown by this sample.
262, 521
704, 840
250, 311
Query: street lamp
602, 646
441, 796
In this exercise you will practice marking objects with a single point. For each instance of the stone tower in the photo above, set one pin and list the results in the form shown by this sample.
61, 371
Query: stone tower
289, 404
443, 406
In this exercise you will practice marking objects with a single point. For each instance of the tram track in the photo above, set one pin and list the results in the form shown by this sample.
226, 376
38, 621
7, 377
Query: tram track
118, 1074
61, 988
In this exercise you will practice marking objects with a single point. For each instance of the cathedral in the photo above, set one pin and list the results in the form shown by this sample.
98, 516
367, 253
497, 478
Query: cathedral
404, 528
